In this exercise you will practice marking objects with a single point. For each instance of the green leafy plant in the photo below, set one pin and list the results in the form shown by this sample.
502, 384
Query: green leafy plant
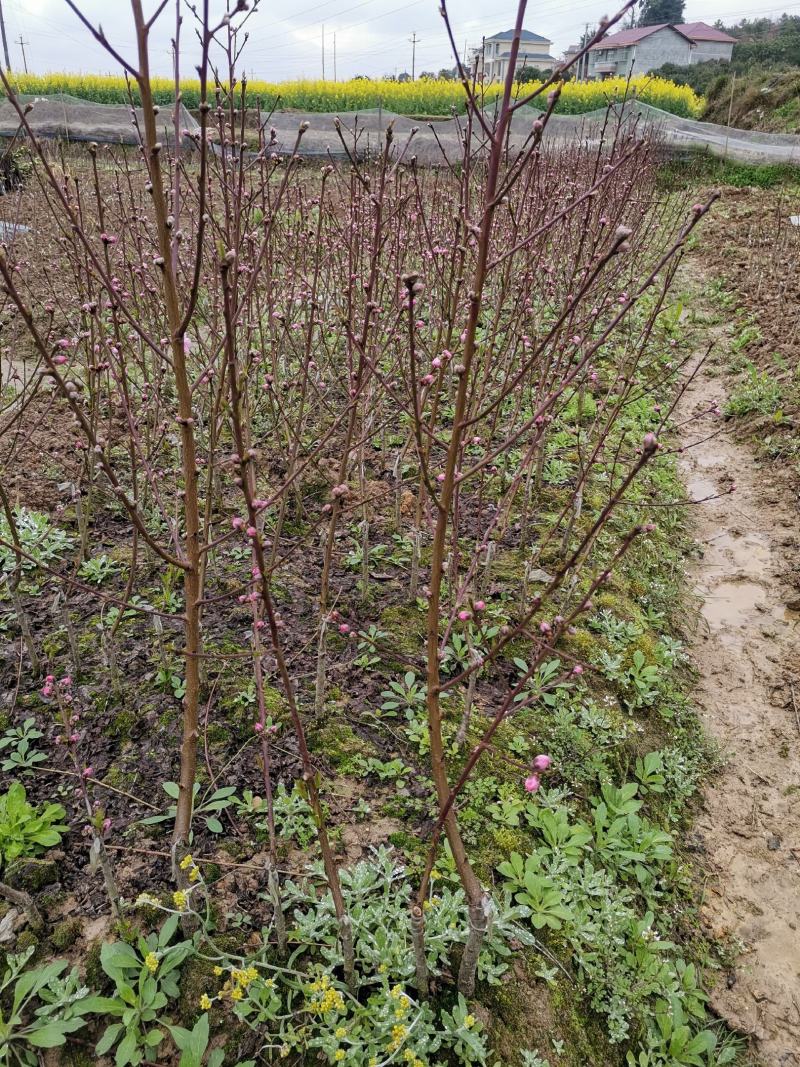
539, 893
145, 979
98, 569
39, 539
25, 831
207, 809
38, 1008
19, 744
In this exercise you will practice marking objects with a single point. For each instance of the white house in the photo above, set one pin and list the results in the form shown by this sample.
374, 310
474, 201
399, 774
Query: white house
534, 51
644, 48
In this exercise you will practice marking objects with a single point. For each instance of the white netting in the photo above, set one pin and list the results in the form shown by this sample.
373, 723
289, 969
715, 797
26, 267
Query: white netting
67, 118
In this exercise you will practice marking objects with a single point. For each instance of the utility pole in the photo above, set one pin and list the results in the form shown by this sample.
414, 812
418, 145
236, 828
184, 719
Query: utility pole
584, 74
334, 57
414, 40
22, 46
323, 51
3, 33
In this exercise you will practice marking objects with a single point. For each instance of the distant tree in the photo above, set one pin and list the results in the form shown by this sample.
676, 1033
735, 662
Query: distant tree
404, 76
363, 78
446, 75
530, 74
428, 76
655, 12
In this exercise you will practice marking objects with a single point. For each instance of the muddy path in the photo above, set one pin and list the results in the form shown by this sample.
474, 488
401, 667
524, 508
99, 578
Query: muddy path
746, 648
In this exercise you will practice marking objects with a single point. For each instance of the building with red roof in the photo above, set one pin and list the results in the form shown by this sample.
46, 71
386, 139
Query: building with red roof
645, 48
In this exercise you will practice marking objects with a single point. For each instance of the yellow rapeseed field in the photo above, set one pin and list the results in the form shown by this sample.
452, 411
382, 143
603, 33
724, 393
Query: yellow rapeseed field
421, 97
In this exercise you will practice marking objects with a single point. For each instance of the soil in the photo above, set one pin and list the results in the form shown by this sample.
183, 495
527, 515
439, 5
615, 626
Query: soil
746, 649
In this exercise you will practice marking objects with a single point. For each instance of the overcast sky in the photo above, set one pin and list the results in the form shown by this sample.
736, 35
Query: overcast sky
372, 36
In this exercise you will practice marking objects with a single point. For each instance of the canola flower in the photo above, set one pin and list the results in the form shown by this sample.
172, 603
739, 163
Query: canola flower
428, 96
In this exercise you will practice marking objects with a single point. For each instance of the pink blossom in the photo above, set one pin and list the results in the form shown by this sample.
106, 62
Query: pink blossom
88, 772
344, 628
532, 783
464, 615
480, 605
541, 763
577, 669
251, 531
237, 523
258, 727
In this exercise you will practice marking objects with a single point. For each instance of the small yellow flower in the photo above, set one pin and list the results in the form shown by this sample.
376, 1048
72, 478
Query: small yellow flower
151, 962
339, 1055
396, 992
217, 971
435, 874
186, 862
252, 973
399, 1032
469, 1021
146, 898
205, 1002
340, 1032
179, 899
269, 983
194, 874
236, 994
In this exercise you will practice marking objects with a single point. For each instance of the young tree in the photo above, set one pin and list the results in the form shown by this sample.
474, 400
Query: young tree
656, 12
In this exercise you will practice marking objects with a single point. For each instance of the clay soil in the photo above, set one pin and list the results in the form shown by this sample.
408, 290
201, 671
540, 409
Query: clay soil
746, 645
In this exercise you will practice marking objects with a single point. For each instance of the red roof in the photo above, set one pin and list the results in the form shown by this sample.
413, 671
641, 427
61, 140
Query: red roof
699, 31
692, 31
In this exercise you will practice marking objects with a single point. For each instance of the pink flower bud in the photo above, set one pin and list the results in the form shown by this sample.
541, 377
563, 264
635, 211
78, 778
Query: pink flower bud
237, 523
532, 783
88, 772
577, 669
344, 628
480, 605
258, 727
541, 763
464, 615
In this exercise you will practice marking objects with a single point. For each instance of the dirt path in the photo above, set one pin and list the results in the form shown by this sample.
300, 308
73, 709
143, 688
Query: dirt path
747, 651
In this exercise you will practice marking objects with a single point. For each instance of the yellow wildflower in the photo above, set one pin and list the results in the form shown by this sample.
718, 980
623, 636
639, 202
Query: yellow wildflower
339, 1055
205, 1002
340, 1032
252, 973
146, 898
186, 862
179, 899
217, 971
399, 1032
151, 962
194, 874
396, 992
469, 1021
236, 994
434, 875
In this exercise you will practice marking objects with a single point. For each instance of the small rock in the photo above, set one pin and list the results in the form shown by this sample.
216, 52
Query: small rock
773, 843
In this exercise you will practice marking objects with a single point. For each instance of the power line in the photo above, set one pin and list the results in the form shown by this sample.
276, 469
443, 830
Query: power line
3, 33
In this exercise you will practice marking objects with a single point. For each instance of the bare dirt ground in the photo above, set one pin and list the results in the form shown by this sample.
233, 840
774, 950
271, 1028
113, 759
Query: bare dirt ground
747, 652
